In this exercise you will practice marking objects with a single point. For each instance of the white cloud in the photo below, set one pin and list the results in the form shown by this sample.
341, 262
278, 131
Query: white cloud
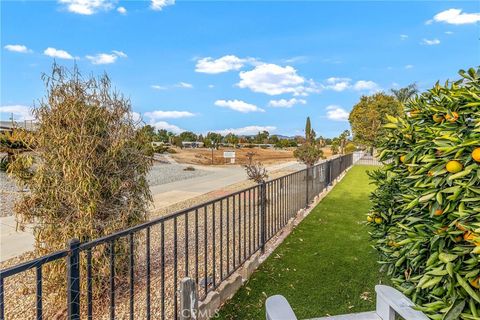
106, 58
211, 86
185, 85
337, 113
403, 37
409, 66
430, 42
160, 114
167, 126
87, 7
238, 105
57, 53
120, 53
17, 48
20, 112
297, 59
136, 117
273, 79
448, 32
362, 85
158, 5
284, 103
338, 84
456, 16
246, 131
341, 84
223, 64
158, 87
122, 10
103, 58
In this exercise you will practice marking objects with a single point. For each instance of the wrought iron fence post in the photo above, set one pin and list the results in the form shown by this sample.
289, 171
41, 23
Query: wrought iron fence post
73, 280
329, 171
263, 203
307, 191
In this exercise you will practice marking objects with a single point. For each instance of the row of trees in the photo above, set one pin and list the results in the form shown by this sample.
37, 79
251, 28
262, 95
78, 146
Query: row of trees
213, 139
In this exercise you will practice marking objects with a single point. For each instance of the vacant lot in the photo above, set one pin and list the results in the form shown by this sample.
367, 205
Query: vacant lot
204, 155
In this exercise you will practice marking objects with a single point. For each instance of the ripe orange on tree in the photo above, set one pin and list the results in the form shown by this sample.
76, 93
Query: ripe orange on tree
378, 220
475, 283
437, 118
476, 154
438, 212
453, 166
452, 117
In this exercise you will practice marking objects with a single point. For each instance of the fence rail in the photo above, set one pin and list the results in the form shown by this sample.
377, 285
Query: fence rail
144, 263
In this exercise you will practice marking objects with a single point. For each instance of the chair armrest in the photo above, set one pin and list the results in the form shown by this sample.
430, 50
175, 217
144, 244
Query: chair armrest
278, 308
391, 301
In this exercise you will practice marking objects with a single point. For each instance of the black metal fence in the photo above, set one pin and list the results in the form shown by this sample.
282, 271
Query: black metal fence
143, 265
368, 159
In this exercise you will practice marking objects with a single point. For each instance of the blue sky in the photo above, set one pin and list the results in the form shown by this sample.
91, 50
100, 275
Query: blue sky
237, 66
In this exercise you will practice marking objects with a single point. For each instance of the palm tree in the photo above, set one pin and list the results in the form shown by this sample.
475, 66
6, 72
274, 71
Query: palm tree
404, 94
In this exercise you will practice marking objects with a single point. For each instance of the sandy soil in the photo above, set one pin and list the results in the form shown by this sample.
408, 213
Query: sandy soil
204, 156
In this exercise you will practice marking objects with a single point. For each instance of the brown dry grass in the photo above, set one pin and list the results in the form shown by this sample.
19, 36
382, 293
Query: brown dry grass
203, 156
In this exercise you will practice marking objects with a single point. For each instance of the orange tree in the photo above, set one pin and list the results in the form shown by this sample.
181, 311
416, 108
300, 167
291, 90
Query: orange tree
426, 209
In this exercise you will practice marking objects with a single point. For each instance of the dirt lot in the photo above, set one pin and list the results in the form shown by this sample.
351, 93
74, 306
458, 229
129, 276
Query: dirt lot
204, 156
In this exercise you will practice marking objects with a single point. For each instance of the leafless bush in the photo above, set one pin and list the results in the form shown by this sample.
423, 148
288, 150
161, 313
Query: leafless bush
255, 169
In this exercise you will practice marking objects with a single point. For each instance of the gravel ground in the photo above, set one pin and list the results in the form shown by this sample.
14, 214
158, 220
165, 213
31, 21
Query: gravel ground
159, 174
166, 173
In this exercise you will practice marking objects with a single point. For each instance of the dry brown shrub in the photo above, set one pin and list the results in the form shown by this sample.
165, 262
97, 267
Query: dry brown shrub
89, 177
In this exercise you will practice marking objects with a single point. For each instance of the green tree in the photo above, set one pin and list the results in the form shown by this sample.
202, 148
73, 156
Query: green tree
213, 140
231, 139
369, 115
343, 139
273, 139
262, 137
335, 146
350, 147
309, 152
425, 208
90, 177
308, 131
164, 135
188, 136
405, 94
322, 142
149, 132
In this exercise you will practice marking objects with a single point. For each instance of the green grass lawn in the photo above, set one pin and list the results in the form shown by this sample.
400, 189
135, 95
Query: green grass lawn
325, 266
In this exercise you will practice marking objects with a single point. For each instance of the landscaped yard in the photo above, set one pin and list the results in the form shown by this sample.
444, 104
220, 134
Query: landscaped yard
325, 266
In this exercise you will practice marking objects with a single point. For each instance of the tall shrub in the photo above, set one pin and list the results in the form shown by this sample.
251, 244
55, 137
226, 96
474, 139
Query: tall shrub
309, 152
426, 209
89, 176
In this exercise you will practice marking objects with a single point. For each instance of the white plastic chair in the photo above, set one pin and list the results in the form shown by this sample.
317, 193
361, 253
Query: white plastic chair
390, 303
